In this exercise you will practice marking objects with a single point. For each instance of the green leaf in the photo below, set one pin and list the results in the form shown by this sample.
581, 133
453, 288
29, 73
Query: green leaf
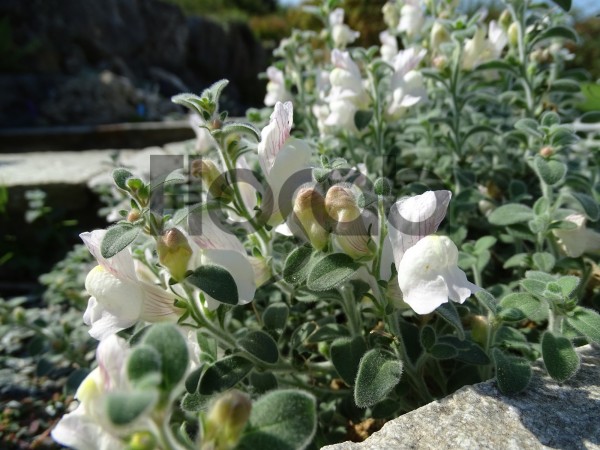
192, 380
144, 361
511, 315
589, 205
512, 373
586, 322
560, 358
590, 117
263, 381
281, 420
468, 351
328, 332
345, 356
297, 265
484, 243
428, 337
224, 374
518, 260
362, 118
487, 300
497, 65
195, 402
551, 171
510, 214
120, 176
443, 351
260, 345
275, 316
117, 238
544, 261
568, 284
529, 126
532, 307
125, 407
555, 32
378, 373
331, 271
564, 4
448, 312
534, 287
213, 92
166, 339
550, 118
217, 282
241, 128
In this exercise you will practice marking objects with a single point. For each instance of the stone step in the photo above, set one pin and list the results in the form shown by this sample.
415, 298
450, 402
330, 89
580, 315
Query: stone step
546, 415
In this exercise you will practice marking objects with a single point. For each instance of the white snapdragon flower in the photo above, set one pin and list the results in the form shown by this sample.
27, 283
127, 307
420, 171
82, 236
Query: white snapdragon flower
348, 93
280, 157
341, 33
389, 46
204, 140
428, 273
276, 90
120, 296
479, 49
407, 84
412, 18
88, 427
580, 240
213, 245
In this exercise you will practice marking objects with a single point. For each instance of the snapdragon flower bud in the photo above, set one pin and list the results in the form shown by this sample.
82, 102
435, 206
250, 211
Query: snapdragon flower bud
439, 35
134, 215
174, 252
513, 34
546, 152
226, 420
505, 19
210, 174
391, 14
350, 231
309, 208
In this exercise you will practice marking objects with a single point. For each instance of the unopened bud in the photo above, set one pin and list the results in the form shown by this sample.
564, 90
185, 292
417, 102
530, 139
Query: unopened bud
340, 204
547, 152
439, 35
134, 215
18, 314
440, 62
216, 124
479, 329
513, 34
142, 440
309, 208
391, 14
174, 252
226, 420
211, 177
505, 19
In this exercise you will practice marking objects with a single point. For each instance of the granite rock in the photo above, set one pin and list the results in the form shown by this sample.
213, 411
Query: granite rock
546, 415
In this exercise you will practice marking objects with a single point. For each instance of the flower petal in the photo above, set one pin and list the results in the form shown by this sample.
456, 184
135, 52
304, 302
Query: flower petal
275, 134
158, 304
424, 296
111, 355
120, 265
205, 231
413, 218
76, 430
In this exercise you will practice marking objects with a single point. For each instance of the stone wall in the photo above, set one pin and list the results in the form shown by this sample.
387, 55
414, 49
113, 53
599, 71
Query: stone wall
101, 61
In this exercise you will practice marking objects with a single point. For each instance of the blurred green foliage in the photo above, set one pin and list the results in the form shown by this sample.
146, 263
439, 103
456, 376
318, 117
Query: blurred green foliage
587, 53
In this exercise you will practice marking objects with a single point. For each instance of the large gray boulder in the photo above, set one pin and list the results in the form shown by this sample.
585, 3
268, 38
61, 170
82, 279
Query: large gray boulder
546, 415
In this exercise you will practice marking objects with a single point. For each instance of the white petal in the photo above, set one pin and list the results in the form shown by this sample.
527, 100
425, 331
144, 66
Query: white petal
205, 231
240, 269
336, 17
158, 304
413, 218
459, 288
111, 355
424, 296
109, 324
275, 134
78, 431
122, 298
120, 265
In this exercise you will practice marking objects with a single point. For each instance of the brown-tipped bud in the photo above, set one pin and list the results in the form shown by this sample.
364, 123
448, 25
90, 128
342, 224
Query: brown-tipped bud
134, 215
340, 204
440, 62
211, 177
309, 208
226, 420
350, 231
174, 252
216, 124
547, 152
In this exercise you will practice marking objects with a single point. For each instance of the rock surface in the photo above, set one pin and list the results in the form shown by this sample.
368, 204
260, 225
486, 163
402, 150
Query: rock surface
546, 415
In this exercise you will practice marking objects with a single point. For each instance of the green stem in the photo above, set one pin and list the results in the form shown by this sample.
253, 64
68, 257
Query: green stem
351, 309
